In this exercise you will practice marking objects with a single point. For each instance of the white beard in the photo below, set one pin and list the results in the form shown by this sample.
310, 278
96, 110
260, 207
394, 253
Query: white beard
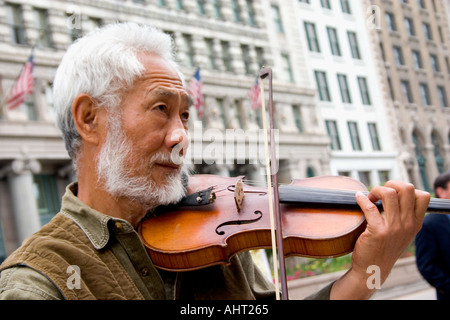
113, 169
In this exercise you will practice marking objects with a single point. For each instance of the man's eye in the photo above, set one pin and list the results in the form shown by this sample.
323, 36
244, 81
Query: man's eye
161, 107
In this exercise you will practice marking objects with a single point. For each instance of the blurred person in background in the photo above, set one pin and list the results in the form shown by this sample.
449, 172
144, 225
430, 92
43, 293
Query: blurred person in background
433, 244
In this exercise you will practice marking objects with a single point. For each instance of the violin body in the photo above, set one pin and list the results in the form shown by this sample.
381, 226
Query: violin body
182, 238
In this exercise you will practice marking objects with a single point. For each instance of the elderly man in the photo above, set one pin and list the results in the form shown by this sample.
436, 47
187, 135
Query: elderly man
122, 108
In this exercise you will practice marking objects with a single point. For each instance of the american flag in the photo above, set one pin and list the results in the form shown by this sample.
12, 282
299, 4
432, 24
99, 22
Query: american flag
255, 95
195, 90
22, 87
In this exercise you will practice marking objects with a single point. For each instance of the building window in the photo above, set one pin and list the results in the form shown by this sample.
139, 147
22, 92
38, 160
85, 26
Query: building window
364, 89
311, 35
442, 96
391, 88
354, 135
421, 4
333, 133
187, 50
427, 31
226, 56
435, 63
322, 86
354, 46
15, 21
217, 9
417, 59
260, 56
406, 90
325, 4
246, 58
210, 53
345, 90
441, 35
409, 26
29, 108
221, 111
424, 93
179, 5
310, 172
437, 153
236, 115
373, 132
236, 11
345, 5
49, 100
298, 118
364, 178
277, 18
390, 21
287, 68
398, 55
45, 35
201, 7
47, 196
334, 41
250, 13
421, 160
383, 56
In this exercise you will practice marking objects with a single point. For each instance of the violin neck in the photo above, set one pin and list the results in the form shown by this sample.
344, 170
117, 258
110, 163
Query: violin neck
437, 205
341, 198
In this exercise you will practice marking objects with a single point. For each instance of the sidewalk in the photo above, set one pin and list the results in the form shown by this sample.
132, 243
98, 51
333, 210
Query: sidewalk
403, 283
419, 290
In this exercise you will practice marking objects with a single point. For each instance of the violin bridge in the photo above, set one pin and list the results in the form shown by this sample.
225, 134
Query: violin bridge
239, 194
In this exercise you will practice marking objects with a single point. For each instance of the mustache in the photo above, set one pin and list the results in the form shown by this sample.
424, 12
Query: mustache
164, 159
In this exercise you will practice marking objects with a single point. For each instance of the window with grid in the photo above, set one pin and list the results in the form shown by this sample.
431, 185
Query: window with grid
373, 132
334, 41
344, 88
354, 135
406, 91
335, 141
354, 46
322, 86
364, 89
311, 36
16, 23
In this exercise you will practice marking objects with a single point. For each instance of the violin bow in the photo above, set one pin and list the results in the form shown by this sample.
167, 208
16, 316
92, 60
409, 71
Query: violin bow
274, 202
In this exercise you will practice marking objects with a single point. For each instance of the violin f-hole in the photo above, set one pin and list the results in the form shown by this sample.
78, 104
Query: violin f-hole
238, 222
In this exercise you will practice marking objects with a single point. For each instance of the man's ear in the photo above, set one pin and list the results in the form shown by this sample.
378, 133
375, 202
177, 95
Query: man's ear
87, 117
440, 192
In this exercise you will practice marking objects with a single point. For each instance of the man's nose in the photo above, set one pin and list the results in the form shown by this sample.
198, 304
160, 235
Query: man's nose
177, 142
177, 137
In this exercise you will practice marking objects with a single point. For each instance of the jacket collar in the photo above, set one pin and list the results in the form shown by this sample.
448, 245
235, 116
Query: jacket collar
93, 223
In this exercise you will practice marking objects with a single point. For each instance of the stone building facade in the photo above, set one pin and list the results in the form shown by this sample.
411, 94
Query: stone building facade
228, 40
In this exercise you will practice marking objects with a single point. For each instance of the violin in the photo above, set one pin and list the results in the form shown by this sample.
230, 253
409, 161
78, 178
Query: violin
223, 216
314, 217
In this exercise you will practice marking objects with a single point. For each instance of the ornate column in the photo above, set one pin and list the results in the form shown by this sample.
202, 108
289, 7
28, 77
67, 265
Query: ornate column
19, 174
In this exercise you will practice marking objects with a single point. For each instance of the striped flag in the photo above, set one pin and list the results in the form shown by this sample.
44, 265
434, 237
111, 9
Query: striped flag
22, 87
255, 95
195, 90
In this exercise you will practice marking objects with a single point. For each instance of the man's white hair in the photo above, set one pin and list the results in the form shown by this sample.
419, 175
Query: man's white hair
102, 64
